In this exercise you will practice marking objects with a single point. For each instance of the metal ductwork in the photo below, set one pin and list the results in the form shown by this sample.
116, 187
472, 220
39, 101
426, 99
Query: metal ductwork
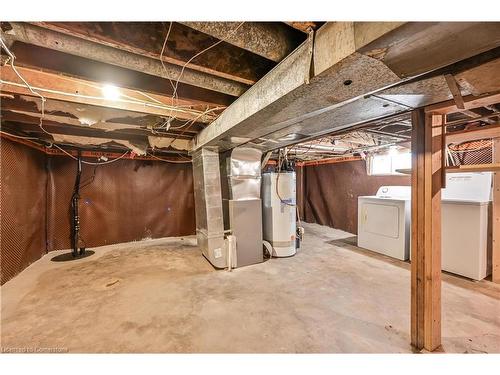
208, 205
355, 72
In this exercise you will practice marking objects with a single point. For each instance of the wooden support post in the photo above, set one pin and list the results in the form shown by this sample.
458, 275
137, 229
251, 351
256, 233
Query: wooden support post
426, 231
496, 215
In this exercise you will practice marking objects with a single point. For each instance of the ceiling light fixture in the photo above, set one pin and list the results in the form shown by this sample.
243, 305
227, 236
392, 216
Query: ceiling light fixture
111, 92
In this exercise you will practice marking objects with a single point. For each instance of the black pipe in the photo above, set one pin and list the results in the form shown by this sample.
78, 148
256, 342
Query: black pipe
75, 218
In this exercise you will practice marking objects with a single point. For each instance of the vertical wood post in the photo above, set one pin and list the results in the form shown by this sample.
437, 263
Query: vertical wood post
496, 215
426, 231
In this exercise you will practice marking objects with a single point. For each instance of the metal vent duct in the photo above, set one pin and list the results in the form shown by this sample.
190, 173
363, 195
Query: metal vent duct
208, 205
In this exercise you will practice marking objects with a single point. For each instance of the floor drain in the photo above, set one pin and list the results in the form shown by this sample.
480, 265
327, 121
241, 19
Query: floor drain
66, 257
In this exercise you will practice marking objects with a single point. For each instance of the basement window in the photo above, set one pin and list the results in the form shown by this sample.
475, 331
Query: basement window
387, 164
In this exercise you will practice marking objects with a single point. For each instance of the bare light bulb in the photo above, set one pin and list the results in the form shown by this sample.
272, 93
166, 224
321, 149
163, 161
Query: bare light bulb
111, 92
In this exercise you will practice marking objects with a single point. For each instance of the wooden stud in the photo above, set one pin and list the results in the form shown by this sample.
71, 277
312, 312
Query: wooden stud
455, 91
496, 215
474, 168
444, 154
470, 102
32, 34
474, 134
426, 231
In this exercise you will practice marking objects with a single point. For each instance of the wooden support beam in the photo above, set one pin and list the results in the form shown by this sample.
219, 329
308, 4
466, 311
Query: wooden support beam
268, 39
474, 168
66, 125
470, 102
305, 27
455, 91
483, 132
179, 154
88, 115
496, 215
476, 114
72, 45
40, 58
426, 231
146, 38
58, 87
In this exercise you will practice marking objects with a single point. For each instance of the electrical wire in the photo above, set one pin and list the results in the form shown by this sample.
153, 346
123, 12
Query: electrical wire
36, 91
42, 98
175, 87
230, 34
124, 101
277, 182
169, 161
91, 179
89, 162
163, 51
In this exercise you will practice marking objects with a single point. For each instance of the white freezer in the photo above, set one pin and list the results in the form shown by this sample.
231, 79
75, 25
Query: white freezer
465, 241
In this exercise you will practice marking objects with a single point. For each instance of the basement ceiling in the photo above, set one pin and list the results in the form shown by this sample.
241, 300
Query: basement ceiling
170, 87
170, 80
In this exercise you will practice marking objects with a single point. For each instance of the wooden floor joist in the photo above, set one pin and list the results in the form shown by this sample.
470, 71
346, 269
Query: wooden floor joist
75, 90
426, 231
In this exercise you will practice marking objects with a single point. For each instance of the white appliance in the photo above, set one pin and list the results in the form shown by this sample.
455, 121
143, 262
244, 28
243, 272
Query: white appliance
279, 213
384, 221
465, 243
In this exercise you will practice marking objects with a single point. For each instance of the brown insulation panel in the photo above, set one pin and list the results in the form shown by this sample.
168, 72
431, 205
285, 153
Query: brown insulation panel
23, 201
128, 200
330, 192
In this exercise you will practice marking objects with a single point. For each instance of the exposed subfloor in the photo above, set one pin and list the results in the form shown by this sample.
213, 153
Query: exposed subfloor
163, 296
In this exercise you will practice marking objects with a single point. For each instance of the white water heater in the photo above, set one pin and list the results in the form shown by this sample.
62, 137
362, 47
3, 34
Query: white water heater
279, 212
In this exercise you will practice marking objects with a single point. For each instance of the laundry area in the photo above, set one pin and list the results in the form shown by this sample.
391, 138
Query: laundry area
250, 187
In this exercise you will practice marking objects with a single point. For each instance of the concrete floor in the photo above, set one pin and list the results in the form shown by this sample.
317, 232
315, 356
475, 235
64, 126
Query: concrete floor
163, 296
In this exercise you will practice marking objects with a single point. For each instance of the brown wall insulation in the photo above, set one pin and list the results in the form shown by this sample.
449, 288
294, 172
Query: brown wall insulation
128, 200
22, 212
330, 192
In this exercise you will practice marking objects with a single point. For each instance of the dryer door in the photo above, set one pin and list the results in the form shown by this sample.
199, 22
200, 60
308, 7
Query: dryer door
381, 219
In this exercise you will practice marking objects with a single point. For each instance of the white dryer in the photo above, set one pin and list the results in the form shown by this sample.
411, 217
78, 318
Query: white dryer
384, 221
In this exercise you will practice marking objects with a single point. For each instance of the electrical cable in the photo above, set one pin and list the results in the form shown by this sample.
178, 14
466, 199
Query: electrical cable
43, 99
174, 93
89, 162
277, 182
12, 65
169, 161
175, 87
230, 34
125, 101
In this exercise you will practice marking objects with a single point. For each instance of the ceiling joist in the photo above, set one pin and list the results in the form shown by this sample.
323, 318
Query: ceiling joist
36, 35
30, 56
183, 43
271, 40
58, 87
